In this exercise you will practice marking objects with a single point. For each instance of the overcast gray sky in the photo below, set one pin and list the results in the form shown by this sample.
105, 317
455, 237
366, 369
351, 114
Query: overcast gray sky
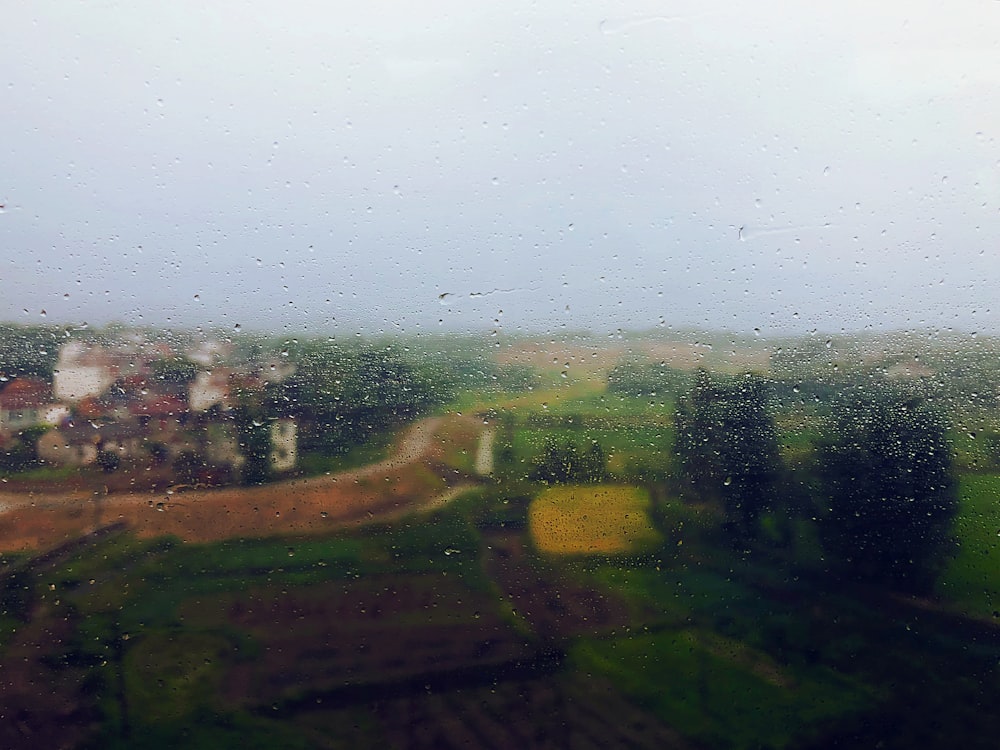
771, 165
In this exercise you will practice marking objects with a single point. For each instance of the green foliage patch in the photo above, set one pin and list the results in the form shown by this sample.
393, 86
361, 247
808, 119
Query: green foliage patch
633, 453
972, 576
720, 692
171, 675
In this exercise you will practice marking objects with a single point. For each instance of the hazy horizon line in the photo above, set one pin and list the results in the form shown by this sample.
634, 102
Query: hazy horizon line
517, 332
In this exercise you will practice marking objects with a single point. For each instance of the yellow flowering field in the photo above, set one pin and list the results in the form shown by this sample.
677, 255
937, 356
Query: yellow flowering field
589, 519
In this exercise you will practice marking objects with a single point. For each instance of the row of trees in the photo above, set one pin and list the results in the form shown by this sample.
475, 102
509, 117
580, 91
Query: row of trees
341, 397
567, 462
28, 350
885, 482
728, 448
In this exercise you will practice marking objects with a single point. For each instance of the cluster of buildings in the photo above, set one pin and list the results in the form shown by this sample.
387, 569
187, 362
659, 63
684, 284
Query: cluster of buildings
120, 399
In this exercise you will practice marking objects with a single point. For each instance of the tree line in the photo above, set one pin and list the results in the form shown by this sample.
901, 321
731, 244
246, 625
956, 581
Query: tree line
880, 490
884, 487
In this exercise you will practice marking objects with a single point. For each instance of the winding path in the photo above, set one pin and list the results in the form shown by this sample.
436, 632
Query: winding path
410, 480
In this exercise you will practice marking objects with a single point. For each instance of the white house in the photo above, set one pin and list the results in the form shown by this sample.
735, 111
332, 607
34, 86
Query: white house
208, 389
81, 371
283, 445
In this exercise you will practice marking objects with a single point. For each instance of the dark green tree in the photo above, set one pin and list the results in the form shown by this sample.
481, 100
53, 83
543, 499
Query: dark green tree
21, 453
253, 432
188, 466
555, 464
175, 370
109, 461
29, 350
728, 448
341, 397
594, 463
565, 462
889, 490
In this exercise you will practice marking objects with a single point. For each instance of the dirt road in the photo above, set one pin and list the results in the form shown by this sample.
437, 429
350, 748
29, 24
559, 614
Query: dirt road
414, 477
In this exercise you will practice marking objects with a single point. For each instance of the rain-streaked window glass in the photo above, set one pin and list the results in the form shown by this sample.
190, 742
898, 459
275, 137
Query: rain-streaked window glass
502, 375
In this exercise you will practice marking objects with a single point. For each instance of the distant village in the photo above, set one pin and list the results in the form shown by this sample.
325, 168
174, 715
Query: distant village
137, 400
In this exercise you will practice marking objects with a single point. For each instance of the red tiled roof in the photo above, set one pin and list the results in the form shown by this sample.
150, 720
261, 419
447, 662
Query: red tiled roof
25, 393
159, 406
90, 408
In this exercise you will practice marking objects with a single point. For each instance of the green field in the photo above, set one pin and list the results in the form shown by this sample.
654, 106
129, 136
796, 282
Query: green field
719, 691
972, 576
604, 615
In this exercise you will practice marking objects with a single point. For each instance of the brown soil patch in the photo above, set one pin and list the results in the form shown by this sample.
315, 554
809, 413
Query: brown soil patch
342, 635
133, 475
544, 714
552, 605
551, 355
684, 356
43, 703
